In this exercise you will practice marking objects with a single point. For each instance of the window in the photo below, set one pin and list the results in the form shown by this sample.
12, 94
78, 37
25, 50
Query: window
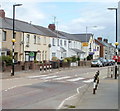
97, 48
53, 54
64, 42
44, 40
28, 39
38, 40
61, 42
58, 42
53, 42
45, 55
34, 39
4, 36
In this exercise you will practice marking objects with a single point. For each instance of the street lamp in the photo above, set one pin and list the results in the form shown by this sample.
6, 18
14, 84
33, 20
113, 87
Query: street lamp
116, 44
87, 32
13, 40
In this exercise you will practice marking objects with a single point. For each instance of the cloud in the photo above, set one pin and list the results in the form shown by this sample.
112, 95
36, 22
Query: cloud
37, 1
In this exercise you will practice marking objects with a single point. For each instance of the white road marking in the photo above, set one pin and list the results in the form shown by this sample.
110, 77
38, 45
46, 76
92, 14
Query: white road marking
31, 77
60, 78
70, 97
75, 79
48, 77
88, 81
16, 86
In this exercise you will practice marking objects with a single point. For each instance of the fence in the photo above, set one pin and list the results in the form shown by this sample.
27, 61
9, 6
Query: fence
111, 71
43, 66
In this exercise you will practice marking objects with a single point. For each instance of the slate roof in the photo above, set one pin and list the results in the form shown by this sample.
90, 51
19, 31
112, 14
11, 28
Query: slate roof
7, 23
105, 44
83, 37
22, 26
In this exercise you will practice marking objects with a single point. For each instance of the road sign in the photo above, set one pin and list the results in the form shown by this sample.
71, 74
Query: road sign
31, 54
84, 44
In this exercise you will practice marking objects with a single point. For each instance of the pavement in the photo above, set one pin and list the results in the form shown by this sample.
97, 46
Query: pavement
106, 97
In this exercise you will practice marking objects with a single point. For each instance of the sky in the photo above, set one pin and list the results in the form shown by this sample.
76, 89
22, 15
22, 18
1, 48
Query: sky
72, 16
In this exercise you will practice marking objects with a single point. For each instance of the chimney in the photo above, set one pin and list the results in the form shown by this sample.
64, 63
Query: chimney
2, 13
100, 38
51, 27
105, 40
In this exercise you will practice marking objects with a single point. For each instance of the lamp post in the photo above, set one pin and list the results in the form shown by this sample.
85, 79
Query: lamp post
13, 40
87, 32
116, 44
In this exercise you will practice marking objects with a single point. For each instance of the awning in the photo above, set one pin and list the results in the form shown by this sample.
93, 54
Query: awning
62, 49
4, 49
78, 51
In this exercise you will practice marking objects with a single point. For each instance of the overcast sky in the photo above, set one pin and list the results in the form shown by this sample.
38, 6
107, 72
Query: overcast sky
71, 15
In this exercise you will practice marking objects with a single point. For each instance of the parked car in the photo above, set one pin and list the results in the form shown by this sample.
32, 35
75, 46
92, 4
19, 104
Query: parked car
96, 63
104, 61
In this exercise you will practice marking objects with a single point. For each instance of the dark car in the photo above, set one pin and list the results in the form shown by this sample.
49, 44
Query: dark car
104, 61
96, 63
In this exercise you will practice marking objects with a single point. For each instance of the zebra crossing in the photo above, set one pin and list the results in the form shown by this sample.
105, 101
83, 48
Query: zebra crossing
61, 78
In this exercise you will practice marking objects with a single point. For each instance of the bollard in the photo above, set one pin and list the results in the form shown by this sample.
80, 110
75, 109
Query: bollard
40, 68
50, 67
95, 82
44, 68
115, 71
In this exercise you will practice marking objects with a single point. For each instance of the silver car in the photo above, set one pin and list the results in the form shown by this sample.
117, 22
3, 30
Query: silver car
97, 63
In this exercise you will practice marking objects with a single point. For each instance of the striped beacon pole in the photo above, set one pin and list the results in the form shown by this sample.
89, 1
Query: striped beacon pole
47, 67
50, 67
44, 67
41, 68
13, 54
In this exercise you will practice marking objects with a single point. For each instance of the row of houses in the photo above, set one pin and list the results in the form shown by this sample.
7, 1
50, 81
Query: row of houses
35, 42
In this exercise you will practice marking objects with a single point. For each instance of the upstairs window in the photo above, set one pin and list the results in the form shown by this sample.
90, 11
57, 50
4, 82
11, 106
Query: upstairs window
28, 39
61, 42
38, 40
4, 36
65, 43
53, 42
58, 42
34, 39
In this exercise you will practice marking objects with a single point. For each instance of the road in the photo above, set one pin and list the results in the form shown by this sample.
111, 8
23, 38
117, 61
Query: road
45, 91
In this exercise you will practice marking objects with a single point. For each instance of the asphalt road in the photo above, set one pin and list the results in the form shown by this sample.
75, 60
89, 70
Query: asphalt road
45, 91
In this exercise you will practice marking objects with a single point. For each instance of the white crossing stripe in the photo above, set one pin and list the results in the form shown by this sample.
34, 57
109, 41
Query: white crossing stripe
60, 78
76, 79
49, 77
31, 77
88, 81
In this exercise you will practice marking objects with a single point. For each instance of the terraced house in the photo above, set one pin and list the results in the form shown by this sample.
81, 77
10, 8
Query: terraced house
31, 44
38, 43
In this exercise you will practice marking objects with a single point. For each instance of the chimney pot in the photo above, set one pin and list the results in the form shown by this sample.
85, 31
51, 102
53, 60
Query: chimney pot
51, 27
2, 13
100, 38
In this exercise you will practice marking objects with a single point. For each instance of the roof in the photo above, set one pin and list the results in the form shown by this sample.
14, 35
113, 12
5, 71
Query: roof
83, 37
105, 44
47, 31
7, 23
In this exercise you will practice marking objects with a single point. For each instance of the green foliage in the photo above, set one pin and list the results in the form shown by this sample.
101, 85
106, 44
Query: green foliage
69, 59
78, 58
74, 59
89, 57
54, 58
35, 61
6, 59
65, 60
